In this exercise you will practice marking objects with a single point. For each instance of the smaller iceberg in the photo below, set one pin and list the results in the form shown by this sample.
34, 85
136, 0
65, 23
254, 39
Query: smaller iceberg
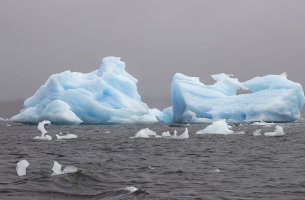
43, 131
217, 127
21, 167
278, 132
57, 169
66, 136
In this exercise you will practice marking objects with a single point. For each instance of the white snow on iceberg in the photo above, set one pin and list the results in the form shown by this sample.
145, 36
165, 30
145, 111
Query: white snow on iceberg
272, 98
106, 96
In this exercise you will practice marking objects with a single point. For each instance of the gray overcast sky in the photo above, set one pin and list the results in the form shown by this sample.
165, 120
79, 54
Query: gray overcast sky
155, 38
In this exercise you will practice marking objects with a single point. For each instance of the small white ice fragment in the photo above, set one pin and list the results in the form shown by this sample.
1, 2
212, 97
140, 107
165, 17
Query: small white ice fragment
166, 134
217, 127
175, 135
43, 131
65, 136
131, 189
257, 132
145, 133
21, 167
57, 169
278, 132
184, 135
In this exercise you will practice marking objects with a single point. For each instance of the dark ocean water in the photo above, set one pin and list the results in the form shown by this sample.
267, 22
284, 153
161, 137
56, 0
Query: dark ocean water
249, 167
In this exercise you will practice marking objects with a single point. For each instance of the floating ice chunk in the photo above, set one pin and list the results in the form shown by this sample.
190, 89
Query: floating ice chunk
21, 167
57, 169
8, 125
131, 189
107, 132
217, 127
43, 131
278, 132
65, 136
106, 96
184, 135
145, 133
257, 132
272, 98
174, 136
69, 170
166, 134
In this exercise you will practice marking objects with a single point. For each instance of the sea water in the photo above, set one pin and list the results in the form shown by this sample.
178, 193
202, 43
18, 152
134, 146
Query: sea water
109, 164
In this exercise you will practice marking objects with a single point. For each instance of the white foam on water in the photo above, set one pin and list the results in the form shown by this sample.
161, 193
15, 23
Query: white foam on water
21, 167
216, 170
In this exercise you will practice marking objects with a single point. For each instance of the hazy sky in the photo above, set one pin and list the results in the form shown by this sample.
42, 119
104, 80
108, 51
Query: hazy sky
155, 38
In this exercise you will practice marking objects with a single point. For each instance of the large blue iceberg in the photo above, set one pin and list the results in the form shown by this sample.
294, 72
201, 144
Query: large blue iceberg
109, 96
271, 98
105, 96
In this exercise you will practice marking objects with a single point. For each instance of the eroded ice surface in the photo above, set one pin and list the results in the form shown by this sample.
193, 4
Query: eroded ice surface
272, 98
217, 127
106, 96
21, 167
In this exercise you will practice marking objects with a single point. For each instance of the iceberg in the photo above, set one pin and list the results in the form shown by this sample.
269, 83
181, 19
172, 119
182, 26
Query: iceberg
271, 98
105, 96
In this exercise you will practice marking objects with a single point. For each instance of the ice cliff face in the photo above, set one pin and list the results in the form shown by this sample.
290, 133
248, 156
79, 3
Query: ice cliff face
106, 96
272, 98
